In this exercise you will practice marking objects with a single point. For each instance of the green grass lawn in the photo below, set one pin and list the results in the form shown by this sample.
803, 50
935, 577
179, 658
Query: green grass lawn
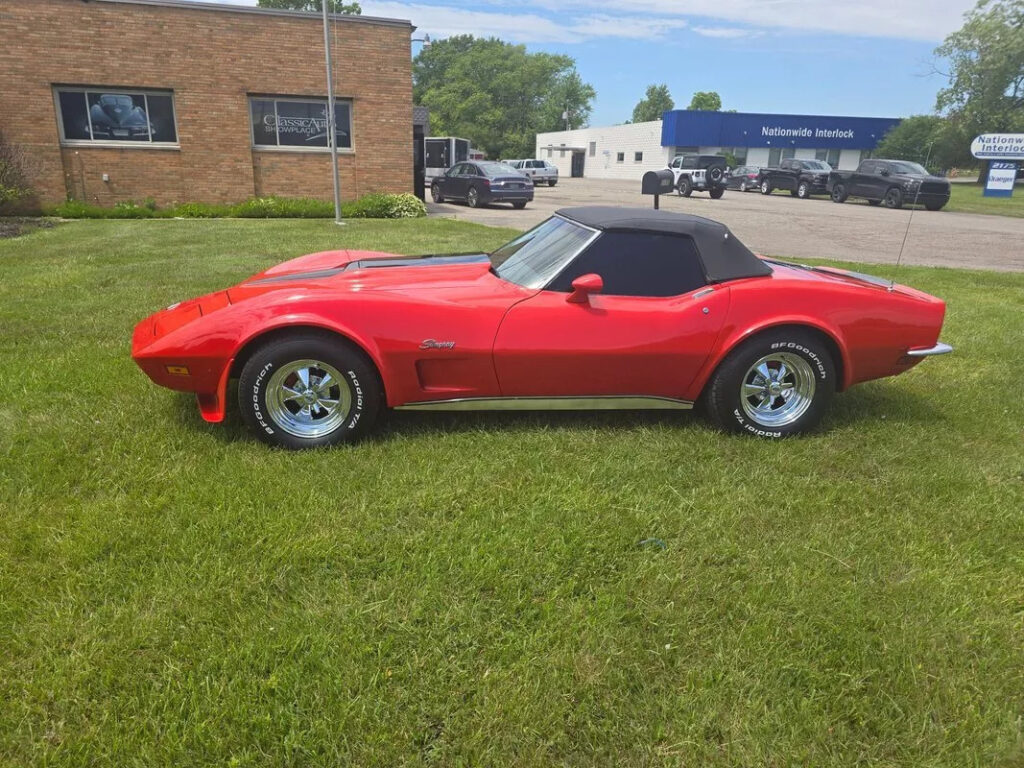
968, 198
469, 590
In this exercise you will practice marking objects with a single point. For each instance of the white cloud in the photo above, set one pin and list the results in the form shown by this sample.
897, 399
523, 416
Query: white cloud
445, 21
575, 21
726, 32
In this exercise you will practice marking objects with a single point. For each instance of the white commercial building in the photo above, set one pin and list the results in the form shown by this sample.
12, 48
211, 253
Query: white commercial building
628, 151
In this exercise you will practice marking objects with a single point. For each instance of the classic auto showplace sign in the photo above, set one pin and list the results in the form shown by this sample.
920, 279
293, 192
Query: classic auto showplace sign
1005, 150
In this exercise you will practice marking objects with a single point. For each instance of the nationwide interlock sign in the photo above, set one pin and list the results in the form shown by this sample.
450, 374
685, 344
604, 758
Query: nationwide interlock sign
1005, 150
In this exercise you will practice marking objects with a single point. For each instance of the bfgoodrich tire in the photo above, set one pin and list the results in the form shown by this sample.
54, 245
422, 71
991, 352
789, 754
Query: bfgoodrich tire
777, 384
307, 391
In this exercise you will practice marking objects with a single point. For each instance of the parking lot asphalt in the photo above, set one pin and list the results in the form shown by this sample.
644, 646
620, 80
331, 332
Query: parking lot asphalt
783, 226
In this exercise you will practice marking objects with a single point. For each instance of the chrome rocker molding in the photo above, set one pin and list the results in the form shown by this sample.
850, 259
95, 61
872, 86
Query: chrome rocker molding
598, 403
938, 349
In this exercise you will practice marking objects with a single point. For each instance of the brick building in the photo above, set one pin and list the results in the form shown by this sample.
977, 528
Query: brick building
179, 101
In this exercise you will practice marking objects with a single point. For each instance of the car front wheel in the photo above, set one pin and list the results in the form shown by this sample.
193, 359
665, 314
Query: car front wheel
803, 190
893, 198
472, 198
775, 385
308, 391
435, 192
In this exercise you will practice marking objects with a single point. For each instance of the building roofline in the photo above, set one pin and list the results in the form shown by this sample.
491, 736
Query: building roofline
228, 8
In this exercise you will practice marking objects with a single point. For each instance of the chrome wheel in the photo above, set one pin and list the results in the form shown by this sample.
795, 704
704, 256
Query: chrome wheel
777, 389
743, 186
308, 398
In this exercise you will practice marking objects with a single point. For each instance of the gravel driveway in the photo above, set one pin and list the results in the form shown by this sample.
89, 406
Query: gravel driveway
781, 225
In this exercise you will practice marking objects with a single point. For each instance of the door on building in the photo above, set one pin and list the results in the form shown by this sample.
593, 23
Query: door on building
577, 164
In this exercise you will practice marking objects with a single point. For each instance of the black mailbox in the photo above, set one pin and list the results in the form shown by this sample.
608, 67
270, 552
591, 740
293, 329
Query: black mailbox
657, 183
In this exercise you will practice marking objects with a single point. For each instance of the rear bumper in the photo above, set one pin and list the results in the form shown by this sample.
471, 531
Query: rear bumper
508, 195
938, 349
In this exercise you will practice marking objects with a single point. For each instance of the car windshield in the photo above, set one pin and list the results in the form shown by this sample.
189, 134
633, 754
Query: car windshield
496, 169
904, 166
818, 165
534, 258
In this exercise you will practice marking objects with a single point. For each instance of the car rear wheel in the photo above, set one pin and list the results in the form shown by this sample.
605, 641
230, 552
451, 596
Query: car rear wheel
685, 187
775, 385
519, 205
743, 186
435, 192
766, 187
472, 198
552, 182
308, 391
839, 193
803, 190
716, 192
934, 206
874, 202
893, 198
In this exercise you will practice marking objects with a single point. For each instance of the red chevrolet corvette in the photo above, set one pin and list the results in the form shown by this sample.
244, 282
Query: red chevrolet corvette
595, 308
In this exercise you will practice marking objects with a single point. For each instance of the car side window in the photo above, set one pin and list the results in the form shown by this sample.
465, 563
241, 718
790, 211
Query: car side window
637, 264
870, 167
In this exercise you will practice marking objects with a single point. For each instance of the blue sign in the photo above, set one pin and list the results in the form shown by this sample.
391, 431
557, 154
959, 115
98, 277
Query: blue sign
1001, 176
698, 128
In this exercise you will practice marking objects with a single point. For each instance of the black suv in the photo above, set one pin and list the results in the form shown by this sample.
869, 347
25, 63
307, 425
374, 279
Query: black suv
705, 173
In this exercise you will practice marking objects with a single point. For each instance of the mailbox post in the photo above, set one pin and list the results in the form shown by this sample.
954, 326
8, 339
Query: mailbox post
657, 183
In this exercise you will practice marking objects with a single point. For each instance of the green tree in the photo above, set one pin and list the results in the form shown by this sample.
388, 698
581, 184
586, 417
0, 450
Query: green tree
654, 104
985, 91
932, 140
496, 94
333, 6
709, 100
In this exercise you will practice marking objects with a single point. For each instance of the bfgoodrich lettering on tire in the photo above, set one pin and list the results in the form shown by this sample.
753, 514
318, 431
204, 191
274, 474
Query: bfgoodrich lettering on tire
308, 391
777, 384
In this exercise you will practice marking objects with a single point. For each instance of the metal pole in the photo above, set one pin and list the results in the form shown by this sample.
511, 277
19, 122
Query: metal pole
332, 135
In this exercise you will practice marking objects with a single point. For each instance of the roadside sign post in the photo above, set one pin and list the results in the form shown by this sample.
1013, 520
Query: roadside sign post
1004, 151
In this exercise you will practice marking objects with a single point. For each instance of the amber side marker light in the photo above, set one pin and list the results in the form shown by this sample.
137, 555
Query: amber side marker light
177, 370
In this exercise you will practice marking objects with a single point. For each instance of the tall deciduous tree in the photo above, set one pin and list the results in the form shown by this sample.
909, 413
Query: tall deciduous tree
656, 101
986, 69
931, 140
496, 94
708, 100
333, 6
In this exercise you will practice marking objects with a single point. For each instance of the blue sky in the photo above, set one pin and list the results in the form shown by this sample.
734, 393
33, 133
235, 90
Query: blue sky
855, 57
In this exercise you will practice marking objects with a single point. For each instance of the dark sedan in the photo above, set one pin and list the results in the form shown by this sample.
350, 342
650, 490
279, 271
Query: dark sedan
481, 184
743, 178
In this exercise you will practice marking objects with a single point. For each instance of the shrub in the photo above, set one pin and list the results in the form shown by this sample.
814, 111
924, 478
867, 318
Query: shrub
15, 191
375, 206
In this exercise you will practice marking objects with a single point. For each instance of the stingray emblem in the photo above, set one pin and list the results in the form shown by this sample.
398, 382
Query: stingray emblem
434, 344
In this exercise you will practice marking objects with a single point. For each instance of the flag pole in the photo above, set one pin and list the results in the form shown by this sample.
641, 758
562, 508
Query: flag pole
332, 135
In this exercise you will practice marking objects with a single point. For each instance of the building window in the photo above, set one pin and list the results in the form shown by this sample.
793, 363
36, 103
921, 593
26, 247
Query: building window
298, 123
788, 152
593, 148
865, 154
774, 156
620, 157
121, 115
549, 152
561, 152
830, 156
638, 157
739, 154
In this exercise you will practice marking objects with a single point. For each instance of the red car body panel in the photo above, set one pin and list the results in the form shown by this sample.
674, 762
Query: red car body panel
453, 331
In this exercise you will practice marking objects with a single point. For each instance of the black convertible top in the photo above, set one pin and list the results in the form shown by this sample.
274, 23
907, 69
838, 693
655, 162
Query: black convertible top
723, 255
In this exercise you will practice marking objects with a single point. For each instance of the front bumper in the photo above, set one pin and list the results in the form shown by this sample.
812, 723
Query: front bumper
938, 349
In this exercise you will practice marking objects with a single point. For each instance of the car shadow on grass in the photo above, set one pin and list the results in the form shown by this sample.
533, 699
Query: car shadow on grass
865, 405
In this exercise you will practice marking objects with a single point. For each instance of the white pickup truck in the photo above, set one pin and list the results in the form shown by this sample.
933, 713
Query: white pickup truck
540, 171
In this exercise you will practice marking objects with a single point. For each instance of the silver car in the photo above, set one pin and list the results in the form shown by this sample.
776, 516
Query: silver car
540, 171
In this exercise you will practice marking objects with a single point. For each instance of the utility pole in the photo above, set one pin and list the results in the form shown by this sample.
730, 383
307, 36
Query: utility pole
332, 130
